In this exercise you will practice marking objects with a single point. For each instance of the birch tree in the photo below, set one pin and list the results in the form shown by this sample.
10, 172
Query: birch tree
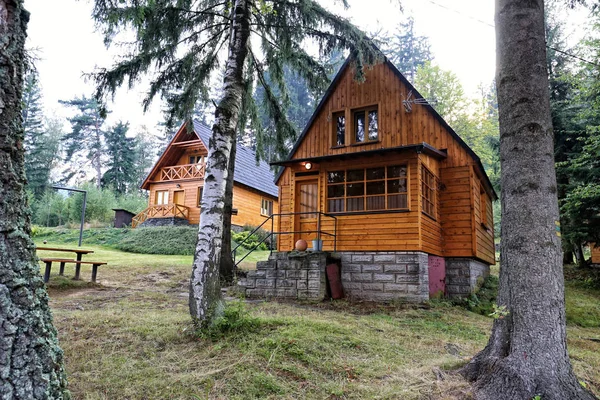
187, 41
31, 362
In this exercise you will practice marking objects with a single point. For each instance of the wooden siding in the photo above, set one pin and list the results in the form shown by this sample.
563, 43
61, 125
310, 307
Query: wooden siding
456, 205
484, 233
595, 253
396, 127
431, 228
246, 200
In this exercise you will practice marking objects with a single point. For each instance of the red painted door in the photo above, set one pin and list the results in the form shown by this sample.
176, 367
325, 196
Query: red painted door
437, 277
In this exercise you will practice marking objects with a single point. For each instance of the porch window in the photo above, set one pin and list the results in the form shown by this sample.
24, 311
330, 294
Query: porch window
366, 124
162, 197
369, 189
196, 159
200, 188
428, 191
266, 207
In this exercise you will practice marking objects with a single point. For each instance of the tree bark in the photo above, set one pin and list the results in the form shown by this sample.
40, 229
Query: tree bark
205, 291
31, 362
227, 266
527, 351
579, 257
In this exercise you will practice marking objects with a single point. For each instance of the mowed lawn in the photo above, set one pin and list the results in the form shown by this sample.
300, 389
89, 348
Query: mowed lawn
130, 337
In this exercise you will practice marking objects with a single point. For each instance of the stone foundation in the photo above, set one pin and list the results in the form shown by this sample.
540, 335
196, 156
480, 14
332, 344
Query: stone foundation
385, 276
464, 276
169, 221
293, 275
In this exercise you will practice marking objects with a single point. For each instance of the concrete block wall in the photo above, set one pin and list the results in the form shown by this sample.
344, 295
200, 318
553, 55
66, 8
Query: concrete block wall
288, 275
167, 221
385, 276
464, 276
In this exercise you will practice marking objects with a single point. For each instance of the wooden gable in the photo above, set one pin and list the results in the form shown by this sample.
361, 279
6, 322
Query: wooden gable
384, 89
184, 141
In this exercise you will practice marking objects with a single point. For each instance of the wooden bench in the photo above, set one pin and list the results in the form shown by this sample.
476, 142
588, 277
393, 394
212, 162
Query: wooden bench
63, 261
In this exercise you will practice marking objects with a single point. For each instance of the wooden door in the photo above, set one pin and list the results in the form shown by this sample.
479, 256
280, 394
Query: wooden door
179, 197
437, 277
307, 202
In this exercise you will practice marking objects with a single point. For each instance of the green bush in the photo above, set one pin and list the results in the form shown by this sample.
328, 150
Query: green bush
248, 241
484, 300
168, 240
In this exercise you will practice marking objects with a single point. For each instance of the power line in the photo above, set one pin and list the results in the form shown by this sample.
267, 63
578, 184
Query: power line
493, 26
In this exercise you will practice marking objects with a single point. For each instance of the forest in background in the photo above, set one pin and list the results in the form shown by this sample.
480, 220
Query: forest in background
111, 161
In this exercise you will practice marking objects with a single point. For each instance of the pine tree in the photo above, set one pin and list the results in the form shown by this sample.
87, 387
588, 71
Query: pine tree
147, 146
30, 358
184, 38
526, 355
121, 155
85, 144
408, 51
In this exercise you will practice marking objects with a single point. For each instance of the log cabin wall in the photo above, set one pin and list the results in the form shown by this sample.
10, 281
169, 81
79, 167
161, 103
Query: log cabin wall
456, 211
595, 253
431, 228
484, 224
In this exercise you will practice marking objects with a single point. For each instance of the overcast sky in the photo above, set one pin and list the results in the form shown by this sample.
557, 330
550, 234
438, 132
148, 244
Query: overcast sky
461, 34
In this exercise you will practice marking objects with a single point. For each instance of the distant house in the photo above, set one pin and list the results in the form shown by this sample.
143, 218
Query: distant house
595, 253
390, 189
177, 179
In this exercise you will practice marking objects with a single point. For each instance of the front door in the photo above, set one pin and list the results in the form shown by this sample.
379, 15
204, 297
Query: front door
179, 197
307, 203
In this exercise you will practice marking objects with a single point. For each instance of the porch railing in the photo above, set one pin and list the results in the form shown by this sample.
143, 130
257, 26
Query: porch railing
319, 232
186, 171
160, 211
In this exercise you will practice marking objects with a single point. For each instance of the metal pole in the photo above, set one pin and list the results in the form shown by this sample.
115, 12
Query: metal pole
82, 208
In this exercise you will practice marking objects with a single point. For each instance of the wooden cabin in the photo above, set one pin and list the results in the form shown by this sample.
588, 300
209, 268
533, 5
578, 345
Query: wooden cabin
175, 183
595, 250
391, 188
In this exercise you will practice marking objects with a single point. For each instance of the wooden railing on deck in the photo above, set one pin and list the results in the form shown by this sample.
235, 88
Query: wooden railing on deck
160, 211
187, 171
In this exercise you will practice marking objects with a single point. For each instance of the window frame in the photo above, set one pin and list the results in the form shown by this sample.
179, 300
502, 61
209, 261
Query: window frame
365, 181
366, 110
483, 207
334, 116
432, 189
199, 193
264, 211
163, 195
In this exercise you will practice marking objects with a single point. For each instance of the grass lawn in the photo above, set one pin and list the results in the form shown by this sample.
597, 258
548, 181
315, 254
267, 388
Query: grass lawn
130, 337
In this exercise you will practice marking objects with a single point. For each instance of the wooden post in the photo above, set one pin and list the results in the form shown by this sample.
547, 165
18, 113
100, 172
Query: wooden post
62, 268
94, 272
77, 271
47, 271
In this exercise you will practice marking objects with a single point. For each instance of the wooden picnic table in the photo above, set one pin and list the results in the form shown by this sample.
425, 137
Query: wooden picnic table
63, 261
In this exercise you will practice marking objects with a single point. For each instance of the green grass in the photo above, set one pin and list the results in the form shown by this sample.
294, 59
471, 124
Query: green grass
130, 337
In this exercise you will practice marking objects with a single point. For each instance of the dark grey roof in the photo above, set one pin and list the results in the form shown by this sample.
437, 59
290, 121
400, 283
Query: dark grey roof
247, 172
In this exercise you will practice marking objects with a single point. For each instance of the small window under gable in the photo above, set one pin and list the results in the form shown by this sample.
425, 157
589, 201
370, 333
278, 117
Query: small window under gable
339, 128
365, 124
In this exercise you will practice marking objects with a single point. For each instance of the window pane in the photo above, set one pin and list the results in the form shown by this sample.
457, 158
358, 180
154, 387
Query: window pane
355, 189
356, 204
376, 203
397, 186
340, 130
199, 196
397, 171
373, 125
308, 200
375, 173
335, 176
376, 187
356, 175
335, 191
336, 205
397, 201
359, 126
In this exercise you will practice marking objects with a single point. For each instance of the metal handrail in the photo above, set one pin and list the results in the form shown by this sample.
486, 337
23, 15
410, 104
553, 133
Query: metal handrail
319, 232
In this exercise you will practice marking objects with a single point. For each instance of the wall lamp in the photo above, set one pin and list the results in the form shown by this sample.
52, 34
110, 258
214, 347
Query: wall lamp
308, 166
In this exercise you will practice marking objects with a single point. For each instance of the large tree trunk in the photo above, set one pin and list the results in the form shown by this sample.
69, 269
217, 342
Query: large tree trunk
31, 363
205, 290
227, 266
527, 351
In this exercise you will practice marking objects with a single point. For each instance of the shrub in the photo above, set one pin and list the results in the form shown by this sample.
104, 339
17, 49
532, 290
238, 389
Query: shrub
484, 300
248, 241
168, 240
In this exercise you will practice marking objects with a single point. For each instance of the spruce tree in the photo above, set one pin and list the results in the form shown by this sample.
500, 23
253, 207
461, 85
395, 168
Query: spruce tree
30, 359
184, 38
407, 50
121, 155
85, 144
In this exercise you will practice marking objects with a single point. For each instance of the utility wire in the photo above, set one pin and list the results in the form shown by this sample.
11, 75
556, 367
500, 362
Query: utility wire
493, 26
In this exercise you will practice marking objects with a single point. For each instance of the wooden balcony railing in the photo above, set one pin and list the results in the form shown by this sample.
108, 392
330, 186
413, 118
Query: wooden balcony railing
160, 211
186, 171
